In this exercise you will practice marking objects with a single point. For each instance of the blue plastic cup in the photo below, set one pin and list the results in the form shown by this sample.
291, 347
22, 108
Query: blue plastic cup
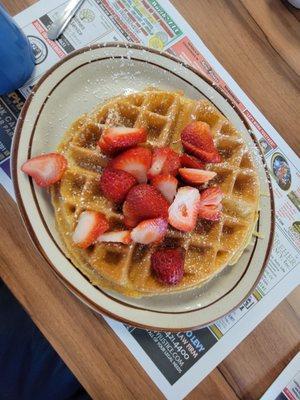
16, 55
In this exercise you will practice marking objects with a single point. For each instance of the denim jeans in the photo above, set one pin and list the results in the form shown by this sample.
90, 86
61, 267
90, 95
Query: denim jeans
30, 369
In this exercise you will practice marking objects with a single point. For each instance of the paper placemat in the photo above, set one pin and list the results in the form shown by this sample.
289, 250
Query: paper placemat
176, 362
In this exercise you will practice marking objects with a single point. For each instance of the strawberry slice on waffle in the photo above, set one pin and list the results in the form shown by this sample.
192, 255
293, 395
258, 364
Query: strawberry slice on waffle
165, 161
115, 184
196, 176
188, 161
115, 237
136, 162
150, 231
90, 225
183, 212
144, 202
210, 206
116, 139
167, 185
168, 265
197, 139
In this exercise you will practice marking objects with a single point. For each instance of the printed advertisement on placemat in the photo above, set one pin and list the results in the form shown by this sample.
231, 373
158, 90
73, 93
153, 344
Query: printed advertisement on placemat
176, 362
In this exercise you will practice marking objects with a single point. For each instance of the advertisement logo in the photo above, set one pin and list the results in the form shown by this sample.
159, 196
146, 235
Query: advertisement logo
39, 48
87, 15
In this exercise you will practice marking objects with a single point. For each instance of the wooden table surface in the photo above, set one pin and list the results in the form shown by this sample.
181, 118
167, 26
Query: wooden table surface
258, 42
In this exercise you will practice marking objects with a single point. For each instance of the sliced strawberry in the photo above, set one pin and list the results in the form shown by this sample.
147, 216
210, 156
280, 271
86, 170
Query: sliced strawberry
45, 169
131, 218
119, 138
150, 231
135, 161
90, 225
168, 265
165, 161
144, 202
115, 184
197, 139
184, 209
115, 237
167, 185
191, 162
212, 213
105, 147
210, 204
211, 196
196, 176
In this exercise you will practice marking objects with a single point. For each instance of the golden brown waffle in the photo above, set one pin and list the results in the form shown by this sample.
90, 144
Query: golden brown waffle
209, 248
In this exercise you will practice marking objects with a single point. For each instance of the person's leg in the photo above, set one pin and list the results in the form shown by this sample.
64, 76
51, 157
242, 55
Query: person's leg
29, 367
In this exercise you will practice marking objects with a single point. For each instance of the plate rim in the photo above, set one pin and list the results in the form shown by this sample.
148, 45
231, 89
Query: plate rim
15, 146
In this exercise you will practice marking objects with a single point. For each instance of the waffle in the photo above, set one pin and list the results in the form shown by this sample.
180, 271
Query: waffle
209, 248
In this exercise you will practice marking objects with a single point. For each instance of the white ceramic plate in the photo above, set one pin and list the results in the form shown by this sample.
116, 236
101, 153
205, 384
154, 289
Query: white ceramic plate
75, 85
